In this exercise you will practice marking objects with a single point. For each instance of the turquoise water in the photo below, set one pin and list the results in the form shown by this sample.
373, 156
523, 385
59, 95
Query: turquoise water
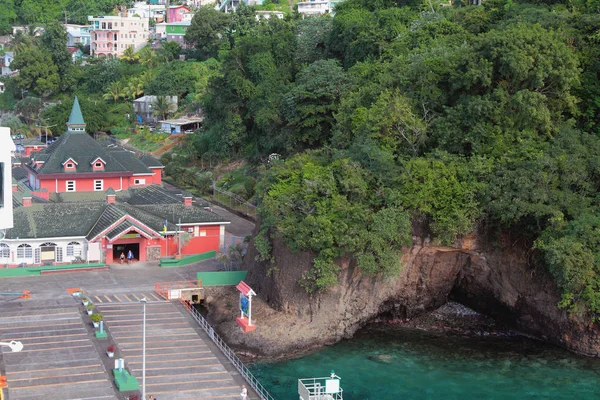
391, 363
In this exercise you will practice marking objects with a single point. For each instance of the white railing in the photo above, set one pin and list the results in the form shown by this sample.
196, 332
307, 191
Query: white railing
231, 356
314, 389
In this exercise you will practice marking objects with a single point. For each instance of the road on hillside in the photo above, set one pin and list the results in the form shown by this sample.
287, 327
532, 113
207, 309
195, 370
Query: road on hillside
239, 226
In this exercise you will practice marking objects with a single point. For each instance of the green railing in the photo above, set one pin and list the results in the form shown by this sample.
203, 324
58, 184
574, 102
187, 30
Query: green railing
221, 278
179, 262
34, 271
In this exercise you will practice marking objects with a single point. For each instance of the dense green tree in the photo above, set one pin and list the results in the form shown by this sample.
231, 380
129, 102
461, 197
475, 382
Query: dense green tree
329, 209
7, 16
310, 105
313, 34
41, 11
37, 71
207, 30
174, 79
29, 109
171, 50
54, 41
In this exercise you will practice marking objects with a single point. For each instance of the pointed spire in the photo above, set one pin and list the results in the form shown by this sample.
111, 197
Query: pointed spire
76, 122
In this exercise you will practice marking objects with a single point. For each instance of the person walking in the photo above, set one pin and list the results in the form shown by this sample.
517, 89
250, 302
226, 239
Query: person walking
129, 256
244, 394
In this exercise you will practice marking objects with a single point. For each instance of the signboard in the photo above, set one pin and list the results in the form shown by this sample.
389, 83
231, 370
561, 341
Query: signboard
332, 386
244, 305
130, 236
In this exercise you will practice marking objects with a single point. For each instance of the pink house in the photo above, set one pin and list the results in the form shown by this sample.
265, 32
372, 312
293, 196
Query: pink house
176, 13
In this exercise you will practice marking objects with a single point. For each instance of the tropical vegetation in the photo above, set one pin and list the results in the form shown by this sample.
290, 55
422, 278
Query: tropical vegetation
351, 129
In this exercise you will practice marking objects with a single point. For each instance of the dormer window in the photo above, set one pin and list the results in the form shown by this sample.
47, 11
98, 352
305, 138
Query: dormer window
70, 165
98, 164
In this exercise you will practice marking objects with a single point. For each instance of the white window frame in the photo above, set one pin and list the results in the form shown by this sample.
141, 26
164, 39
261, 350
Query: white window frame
70, 165
74, 249
99, 164
4, 251
139, 181
24, 252
71, 183
99, 188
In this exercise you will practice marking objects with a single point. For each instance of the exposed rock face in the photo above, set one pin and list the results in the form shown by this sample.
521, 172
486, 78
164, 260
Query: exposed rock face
499, 282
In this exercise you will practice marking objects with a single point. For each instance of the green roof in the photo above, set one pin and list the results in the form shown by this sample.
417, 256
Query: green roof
109, 216
76, 118
89, 218
125, 227
152, 194
84, 150
54, 220
177, 212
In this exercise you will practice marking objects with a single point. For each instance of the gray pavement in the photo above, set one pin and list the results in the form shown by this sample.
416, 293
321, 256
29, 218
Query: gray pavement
60, 360
179, 363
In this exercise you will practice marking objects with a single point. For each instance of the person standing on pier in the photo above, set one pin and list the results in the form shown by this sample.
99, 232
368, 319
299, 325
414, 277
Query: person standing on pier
244, 394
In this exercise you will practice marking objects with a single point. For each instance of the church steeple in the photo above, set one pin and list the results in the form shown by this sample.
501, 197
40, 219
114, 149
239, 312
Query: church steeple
76, 122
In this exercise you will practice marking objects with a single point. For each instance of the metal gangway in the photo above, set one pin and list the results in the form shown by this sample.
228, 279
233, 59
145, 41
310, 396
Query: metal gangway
320, 388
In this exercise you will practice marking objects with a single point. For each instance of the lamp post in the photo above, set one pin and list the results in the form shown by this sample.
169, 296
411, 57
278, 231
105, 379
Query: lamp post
144, 301
15, 347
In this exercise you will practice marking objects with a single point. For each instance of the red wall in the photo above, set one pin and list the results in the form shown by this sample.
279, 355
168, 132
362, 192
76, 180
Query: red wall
157, 178
32, 149
83, 184
87, 184
203, 244
44, 195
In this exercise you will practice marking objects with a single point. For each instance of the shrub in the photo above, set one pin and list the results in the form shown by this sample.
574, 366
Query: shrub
96, 317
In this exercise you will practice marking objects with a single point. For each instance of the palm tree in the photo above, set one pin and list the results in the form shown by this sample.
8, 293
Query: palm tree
129, 55
115, 91
163, 106
148, 57
22, 40
146, 77
135, 88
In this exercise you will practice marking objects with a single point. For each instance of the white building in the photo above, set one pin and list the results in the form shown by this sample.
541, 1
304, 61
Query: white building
147, 11
5, 61
111, 35
317, 7
7, 148
77, 34
268, 14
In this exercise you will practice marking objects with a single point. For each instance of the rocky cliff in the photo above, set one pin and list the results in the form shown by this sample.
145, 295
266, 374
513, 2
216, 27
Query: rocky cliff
499, 280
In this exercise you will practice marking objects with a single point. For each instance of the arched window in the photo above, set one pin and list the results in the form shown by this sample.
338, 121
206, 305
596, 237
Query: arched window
4, 250
24, 251
74, 249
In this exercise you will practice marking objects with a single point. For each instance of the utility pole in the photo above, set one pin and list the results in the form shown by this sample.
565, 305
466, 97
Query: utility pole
144, 301
179, 236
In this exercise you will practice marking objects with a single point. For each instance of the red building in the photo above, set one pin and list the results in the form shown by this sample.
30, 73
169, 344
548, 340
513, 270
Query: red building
176, 13
29, 146
151, 222
77, 163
